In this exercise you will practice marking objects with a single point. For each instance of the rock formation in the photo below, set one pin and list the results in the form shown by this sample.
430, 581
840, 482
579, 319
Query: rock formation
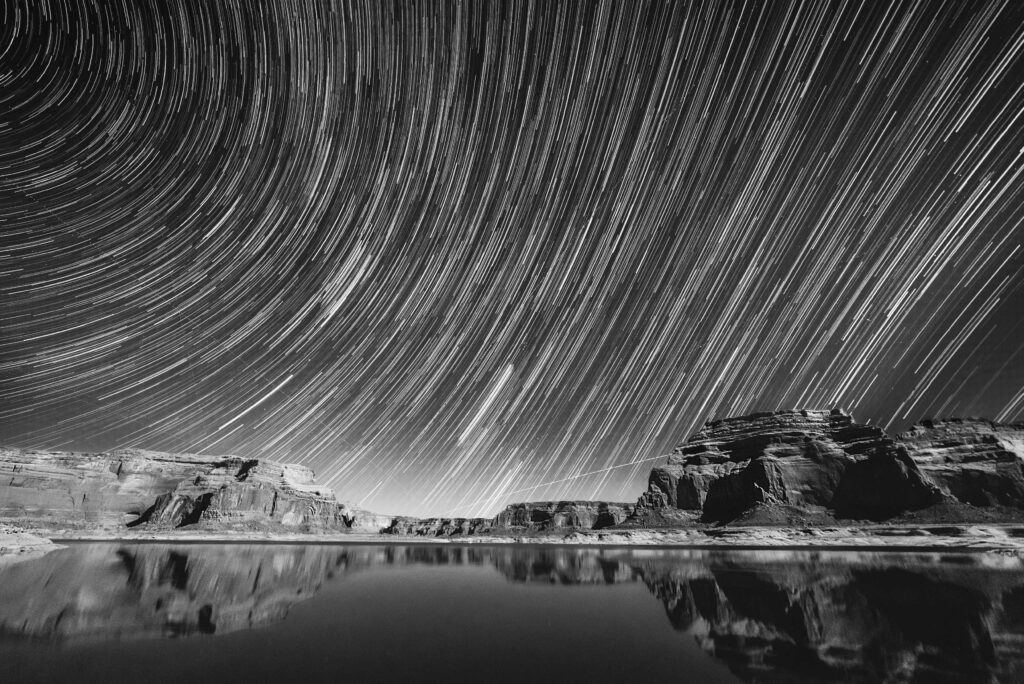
250, 492
519, 518
96, 488
825, 460
542, 516
437, 527
801, 458
974, 461
785, 468
133, 487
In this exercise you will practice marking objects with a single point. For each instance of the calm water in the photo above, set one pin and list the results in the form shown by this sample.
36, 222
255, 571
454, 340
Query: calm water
273, 613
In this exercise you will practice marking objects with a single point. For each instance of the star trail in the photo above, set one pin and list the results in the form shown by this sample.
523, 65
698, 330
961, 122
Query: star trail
452, 255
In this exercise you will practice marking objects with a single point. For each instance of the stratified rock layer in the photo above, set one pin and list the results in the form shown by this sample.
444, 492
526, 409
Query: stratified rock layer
437, 527
172, 490
801, 458
247, 492
974, 461
95, 488
540, 516
825, 460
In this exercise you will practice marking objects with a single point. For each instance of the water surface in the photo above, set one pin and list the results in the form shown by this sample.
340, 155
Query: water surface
104, 612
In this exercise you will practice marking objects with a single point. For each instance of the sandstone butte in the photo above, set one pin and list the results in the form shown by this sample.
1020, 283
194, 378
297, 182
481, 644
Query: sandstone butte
783, 469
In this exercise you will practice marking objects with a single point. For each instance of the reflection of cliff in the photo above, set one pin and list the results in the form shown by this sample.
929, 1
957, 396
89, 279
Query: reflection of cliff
770, 615
800, 622
101, 591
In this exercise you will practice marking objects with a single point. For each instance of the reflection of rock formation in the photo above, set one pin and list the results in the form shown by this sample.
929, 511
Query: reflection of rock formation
799, 622
770, 615
560, 566
101, 591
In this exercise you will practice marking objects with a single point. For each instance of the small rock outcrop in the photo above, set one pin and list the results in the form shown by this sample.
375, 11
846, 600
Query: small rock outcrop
542, 516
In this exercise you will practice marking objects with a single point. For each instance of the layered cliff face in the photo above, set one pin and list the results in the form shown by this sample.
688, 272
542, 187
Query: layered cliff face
437, 527
800, 458
97, 488
541, 516
974, 461
250, 492
134, 487
519, 518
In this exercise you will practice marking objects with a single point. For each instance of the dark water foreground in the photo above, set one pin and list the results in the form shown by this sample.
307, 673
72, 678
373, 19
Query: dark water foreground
111, 612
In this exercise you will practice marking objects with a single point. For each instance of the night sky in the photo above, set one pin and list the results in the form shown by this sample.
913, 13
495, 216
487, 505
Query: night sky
452, 255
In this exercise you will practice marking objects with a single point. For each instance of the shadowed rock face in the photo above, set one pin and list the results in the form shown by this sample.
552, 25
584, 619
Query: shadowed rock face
801, 458
974, 461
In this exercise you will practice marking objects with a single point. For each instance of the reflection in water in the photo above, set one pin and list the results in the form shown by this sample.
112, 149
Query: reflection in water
769, 615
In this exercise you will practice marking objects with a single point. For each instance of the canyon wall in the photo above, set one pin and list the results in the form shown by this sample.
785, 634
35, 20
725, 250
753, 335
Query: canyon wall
135, 487
825, 460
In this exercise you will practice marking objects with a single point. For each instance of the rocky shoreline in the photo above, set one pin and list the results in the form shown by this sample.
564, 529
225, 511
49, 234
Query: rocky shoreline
18, 545
801, 478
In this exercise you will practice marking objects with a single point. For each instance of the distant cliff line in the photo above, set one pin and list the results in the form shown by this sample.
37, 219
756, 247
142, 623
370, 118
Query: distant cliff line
781, 468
